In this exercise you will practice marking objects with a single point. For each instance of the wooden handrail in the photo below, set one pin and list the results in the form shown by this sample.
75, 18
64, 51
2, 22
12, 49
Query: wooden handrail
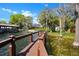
27, 48
11, 41
36, 48
26, 35
7, 41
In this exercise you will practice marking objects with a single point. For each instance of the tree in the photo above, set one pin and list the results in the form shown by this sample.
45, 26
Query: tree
17, 19
29, 21
76, 42
2, 22
48, 16
20, 20
74, 8
67, 11
42, 18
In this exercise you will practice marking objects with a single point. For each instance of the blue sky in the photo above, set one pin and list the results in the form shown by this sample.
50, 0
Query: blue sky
27, 9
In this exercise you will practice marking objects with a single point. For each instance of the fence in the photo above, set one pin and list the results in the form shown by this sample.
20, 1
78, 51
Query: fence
36, 46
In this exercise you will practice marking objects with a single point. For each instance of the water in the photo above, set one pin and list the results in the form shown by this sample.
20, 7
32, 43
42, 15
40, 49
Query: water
20, 44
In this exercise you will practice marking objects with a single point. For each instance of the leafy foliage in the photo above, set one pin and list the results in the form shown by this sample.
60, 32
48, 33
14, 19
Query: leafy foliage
21, 20
69, 14
2, 22
29, 21
48, 16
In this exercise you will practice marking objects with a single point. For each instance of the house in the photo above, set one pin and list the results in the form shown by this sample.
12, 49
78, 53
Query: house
8, 28
36, 25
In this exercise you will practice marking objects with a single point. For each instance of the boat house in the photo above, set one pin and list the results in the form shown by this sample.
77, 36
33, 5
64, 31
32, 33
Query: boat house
8, 28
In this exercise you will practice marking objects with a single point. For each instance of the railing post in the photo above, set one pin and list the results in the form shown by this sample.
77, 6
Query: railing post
12, 46
38, 51
45, 38
31, 38
38, 33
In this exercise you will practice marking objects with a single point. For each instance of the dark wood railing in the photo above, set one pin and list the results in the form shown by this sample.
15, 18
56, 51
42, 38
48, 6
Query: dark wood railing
28, 49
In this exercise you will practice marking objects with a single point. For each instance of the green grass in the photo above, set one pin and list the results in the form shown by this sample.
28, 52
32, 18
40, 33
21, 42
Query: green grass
61, 46
38, 28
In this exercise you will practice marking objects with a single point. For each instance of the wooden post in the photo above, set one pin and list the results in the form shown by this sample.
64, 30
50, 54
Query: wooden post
31, 38
38, 33
12, 46
38, 50
45, 38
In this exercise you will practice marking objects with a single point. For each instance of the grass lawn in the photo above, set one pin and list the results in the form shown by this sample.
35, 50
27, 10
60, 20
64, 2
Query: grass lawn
61, 46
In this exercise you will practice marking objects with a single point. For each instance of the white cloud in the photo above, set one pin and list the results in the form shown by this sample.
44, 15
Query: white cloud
9, 10
3, 9
27, 13
22, 10
46, 5
35, 21
14, 12
6, 9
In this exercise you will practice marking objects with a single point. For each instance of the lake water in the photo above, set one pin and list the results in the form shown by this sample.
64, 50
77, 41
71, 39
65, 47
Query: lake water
20, 44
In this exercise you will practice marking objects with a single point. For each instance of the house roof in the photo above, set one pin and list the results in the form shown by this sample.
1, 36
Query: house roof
9, 25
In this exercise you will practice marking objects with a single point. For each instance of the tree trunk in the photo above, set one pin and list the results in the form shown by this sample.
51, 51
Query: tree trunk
76, 43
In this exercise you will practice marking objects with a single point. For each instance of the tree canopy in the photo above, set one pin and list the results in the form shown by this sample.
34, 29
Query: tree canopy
48, 15
2, 22
20, 20
67, 13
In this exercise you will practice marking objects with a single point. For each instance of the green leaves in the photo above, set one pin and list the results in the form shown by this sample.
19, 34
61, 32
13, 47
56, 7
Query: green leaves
21, 20
2, 22
48, 16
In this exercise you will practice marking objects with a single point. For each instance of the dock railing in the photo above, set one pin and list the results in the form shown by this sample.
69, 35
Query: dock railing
35, 48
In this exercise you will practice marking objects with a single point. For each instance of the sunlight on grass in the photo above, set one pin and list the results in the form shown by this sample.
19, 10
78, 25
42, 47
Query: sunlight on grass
62, 47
